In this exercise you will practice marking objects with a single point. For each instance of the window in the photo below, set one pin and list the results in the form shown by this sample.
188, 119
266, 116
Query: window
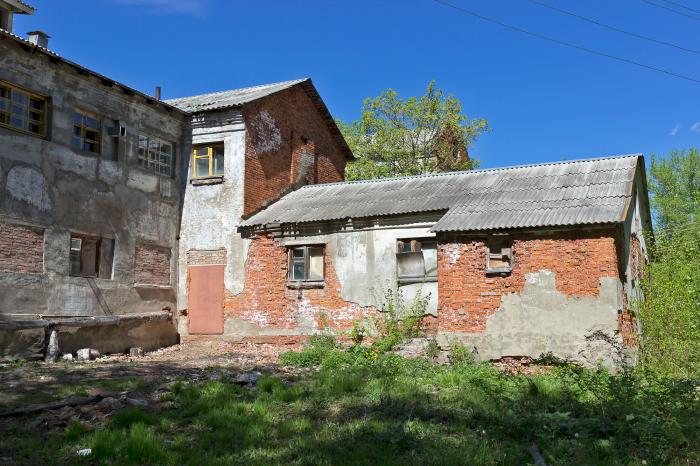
22, 110
91, 256
155, 154
416, 260
86, 132
306, 264
499, 256
208, 161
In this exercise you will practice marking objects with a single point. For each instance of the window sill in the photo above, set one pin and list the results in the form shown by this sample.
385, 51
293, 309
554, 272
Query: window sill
412, 280
502, 271
157, 287
305, 285
207, 180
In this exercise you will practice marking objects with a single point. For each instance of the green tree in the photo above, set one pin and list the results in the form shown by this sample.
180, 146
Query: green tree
670, 313
675, 185
400, 137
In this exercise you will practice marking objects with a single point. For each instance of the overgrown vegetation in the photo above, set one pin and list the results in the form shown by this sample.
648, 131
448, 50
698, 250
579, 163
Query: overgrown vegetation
361, 408
670, 312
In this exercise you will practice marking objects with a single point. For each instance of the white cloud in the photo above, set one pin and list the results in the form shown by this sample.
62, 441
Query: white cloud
167, 7
695, 127
674, 131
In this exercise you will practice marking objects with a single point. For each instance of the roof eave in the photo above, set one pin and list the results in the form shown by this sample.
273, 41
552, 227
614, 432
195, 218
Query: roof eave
21, 7
29, 47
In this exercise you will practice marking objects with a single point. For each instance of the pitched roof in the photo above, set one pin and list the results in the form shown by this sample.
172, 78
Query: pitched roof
577, 192
231, 98
239, 97
21, 7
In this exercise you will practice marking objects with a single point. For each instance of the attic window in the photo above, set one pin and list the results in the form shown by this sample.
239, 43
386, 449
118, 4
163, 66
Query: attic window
416, 260
499, 256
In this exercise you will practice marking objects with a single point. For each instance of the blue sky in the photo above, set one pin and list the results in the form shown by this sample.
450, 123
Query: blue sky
543, 101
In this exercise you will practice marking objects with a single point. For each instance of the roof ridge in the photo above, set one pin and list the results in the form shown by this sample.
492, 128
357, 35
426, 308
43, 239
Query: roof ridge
479, 170
238, 89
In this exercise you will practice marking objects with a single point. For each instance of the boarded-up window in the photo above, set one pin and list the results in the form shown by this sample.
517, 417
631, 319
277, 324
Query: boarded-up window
152, 265
416, 260
91, 256
499, 256
306, 264
21, 248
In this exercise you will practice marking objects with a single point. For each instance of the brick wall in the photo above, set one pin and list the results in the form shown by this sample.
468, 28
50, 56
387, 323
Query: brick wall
288, 144
206, 257
21, 248
467, 296
151, 265
267, 302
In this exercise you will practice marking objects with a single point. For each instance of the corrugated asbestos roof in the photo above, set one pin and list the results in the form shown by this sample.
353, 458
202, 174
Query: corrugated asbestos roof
232, 98
564, 193
239, 97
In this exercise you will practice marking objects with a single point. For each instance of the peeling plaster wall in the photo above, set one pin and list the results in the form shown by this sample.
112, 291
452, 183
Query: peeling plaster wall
47, 184
212, 212
541, 319
360, 264
564, 295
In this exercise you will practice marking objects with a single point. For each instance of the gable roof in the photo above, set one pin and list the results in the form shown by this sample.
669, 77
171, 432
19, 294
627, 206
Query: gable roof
230, 98
591, 191
239, 97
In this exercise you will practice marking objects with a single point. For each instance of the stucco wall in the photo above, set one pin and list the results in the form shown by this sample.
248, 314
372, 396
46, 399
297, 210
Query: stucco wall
47, 184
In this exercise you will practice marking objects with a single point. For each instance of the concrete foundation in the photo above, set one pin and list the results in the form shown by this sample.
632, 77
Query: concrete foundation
113, 334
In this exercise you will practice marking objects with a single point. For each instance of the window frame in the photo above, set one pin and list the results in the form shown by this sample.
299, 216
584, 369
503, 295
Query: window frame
151, 165
83, 240
506, 247
306, 259
416, 246
83, 127
43, 111
211, 148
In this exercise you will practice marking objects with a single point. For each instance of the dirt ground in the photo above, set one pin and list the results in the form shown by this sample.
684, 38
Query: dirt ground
91, 392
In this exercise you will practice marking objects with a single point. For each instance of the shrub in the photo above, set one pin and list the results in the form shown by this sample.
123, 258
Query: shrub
459, 354
432, 351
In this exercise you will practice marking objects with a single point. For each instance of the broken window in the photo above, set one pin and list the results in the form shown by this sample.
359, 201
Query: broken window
306, 264
499, 256
86, 132
22, 110
155, 154
91, 256
208, 161
416, 260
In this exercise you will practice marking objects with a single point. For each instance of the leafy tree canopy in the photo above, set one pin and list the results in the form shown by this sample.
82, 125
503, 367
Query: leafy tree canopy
402, 137
675, 185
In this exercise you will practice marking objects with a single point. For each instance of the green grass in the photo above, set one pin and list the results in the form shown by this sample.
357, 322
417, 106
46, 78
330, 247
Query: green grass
364, 407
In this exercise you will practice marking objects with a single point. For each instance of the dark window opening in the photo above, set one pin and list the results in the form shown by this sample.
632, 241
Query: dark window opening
499, 255
86, 132
91, 256
306, 264
416, 260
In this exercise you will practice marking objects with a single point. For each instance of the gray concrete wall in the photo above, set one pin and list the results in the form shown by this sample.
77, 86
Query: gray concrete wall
44, 182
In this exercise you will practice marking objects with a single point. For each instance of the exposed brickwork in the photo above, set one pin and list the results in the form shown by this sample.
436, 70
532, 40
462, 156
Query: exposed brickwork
268, 303
287, 145
206, 257
467, 296
21, 248
627, 321
151, 265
